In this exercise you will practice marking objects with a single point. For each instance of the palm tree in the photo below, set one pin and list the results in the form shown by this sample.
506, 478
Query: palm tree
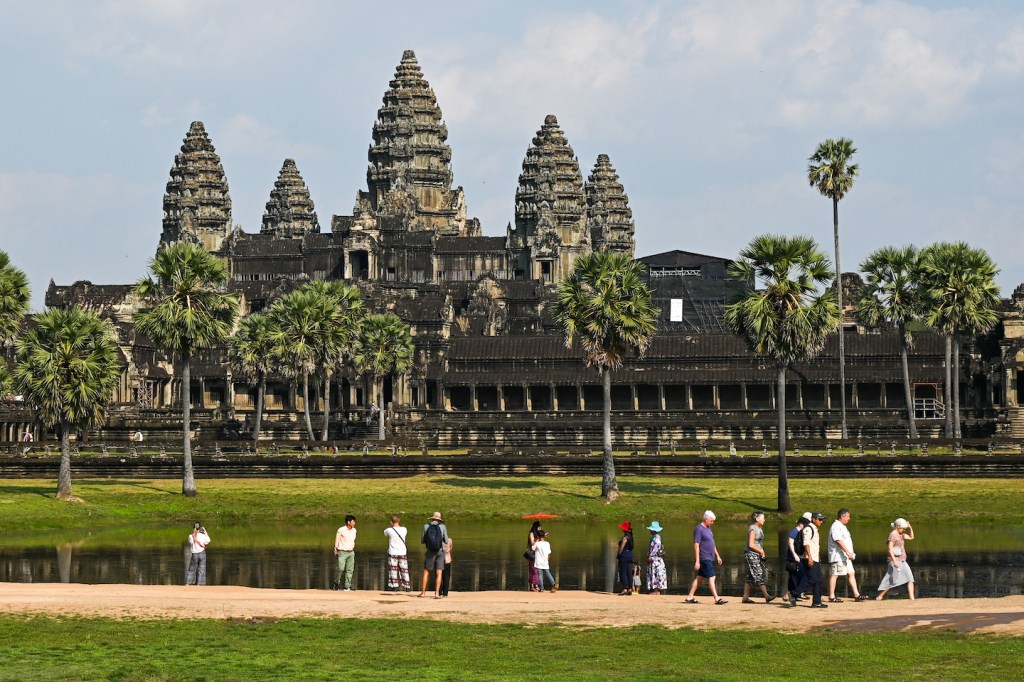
253, 352
338, 346
605, 303
67, 366
187, 310
893, 296
14, 299
788, 318
384, 349
961, 299
830, 171
305, 325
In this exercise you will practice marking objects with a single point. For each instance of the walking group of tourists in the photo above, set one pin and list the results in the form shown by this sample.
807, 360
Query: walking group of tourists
803, 560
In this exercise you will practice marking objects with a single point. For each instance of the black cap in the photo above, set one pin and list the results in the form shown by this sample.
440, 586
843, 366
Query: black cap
818, 515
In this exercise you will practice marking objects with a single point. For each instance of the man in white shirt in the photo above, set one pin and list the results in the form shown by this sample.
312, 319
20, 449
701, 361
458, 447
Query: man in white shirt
398, 555
197, 542
345, 550
841, 556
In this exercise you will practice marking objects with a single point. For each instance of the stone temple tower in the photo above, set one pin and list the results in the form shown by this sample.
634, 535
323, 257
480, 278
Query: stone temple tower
410, 162
551, 222
197, 206
608, 214
290, 211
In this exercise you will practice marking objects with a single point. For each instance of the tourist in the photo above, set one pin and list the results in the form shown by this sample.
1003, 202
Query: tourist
657, 576
434, 538
841, 556
705, 556
625, 557
345, 550
398, 555
794, 558
897, 570
757, 562
446, 574
542, 552
811, 562
531, 539
198, 539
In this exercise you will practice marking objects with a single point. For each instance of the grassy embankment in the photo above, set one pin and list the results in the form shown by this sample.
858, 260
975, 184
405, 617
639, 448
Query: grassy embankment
73, 648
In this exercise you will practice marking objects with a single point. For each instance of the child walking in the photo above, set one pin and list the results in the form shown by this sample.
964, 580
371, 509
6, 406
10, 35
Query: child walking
542, 554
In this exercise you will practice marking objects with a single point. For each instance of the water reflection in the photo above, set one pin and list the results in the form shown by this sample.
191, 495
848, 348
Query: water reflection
948, 560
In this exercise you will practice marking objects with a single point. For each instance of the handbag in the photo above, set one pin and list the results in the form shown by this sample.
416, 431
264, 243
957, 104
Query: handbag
529, 555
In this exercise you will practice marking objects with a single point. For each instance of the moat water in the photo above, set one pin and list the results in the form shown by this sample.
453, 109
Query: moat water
949, 560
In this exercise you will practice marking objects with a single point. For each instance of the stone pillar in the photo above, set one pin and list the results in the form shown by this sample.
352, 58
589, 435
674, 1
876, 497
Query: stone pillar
661, 397
554, 397
883, 397
828, 396
854, 396
527, 398
743, 396
202, 392
689, 397
501, 399
291, 398
446, 398
636, 400
229, 391
715, 397
582, 399
473, 398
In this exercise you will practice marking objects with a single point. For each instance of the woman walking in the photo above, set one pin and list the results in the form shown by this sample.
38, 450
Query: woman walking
757, 563
657, 576
531, 540
897, 570
625, 557
197, 542
446, 574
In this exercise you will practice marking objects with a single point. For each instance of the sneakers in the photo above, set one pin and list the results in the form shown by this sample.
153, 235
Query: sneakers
348, 589
819, 606
335, 586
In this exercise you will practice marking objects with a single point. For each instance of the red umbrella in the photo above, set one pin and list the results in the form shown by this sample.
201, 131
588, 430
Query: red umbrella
541, 516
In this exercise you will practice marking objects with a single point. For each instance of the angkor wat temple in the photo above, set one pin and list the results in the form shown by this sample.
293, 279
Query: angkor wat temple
492, 367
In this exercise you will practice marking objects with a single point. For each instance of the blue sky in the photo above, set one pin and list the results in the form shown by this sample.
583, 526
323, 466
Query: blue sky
708, 110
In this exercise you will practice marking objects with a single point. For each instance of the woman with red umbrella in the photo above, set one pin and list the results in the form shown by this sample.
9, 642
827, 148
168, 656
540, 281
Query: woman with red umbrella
531, 540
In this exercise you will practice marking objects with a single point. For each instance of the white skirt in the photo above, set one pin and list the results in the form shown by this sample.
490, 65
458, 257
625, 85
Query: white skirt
894, 577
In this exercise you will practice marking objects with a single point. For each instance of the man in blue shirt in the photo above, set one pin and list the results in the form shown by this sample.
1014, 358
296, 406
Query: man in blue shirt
705, 556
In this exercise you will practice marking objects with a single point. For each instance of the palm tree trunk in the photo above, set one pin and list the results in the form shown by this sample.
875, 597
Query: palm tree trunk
908, 395
948, 389
609, 484
188, 480
839, 300
380, 409
261, 391
327, 405
956, 387
305, 403
780, 402
64, 474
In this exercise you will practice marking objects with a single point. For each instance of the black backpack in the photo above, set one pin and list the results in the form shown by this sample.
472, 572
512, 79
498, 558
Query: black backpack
798, 543
433, 538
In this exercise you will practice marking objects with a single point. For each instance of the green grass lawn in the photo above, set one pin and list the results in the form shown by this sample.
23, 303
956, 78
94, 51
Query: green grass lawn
29, 505
86, 649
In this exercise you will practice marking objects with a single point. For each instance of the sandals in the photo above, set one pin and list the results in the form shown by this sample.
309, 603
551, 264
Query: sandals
835, 600
862, 597
690, 601
748, 601
720, 601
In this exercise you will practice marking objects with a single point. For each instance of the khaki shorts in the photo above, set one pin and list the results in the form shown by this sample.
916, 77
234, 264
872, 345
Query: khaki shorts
844, 567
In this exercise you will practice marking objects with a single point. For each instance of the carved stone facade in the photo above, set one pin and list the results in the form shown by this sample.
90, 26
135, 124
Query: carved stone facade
197, 206
608, 213
290, 212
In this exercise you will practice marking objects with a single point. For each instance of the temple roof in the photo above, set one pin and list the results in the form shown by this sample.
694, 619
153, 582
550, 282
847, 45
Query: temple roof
290, 211
608, 214
551, 185
197, 206
475, 245
680, 259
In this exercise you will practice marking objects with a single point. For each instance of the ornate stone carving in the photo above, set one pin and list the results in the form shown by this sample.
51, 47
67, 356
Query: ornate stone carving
290, 211
197, 206
609, 216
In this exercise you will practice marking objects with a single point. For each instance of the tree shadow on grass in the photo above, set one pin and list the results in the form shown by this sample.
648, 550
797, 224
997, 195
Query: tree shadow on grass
125, 482
47, 491
505, 483
655, 488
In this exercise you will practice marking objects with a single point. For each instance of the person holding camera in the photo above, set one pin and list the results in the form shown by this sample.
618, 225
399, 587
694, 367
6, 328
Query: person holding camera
197, 541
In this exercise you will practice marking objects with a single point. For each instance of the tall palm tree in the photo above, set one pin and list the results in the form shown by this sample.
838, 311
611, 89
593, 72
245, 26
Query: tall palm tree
253, 352
338, 346
830, 171
67, 367
893, 296
305, 326
788, 318
605, 304
14, 299
186, 311
384, 349
961, 299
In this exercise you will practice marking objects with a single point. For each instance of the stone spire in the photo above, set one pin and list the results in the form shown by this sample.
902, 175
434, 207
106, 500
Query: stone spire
410, 163
197, 206
290, 211
550, 205
608, 214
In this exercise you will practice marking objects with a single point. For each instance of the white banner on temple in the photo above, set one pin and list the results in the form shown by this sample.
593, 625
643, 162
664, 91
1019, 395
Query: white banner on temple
675, 313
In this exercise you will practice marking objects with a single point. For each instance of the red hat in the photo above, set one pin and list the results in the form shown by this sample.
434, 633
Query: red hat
625, 526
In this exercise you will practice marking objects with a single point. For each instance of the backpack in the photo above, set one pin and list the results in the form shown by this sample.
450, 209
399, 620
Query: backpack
798, 543
433, 538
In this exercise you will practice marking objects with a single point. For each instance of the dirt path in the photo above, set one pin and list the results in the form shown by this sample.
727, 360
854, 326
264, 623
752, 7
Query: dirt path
1003, 616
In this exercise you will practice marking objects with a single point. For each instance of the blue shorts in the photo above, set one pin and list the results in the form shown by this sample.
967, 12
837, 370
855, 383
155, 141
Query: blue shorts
707, 568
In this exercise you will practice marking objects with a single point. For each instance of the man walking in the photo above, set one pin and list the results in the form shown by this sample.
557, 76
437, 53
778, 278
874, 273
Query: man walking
811, 565
345, 550
434, 538
841, 556
794, 558
398, 555
705, 556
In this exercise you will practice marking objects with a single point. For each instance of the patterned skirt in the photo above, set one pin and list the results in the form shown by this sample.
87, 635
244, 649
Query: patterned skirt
756, 566
657, 576
398, 573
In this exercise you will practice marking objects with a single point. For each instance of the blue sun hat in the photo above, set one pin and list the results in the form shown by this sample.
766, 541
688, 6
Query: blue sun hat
655, 527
